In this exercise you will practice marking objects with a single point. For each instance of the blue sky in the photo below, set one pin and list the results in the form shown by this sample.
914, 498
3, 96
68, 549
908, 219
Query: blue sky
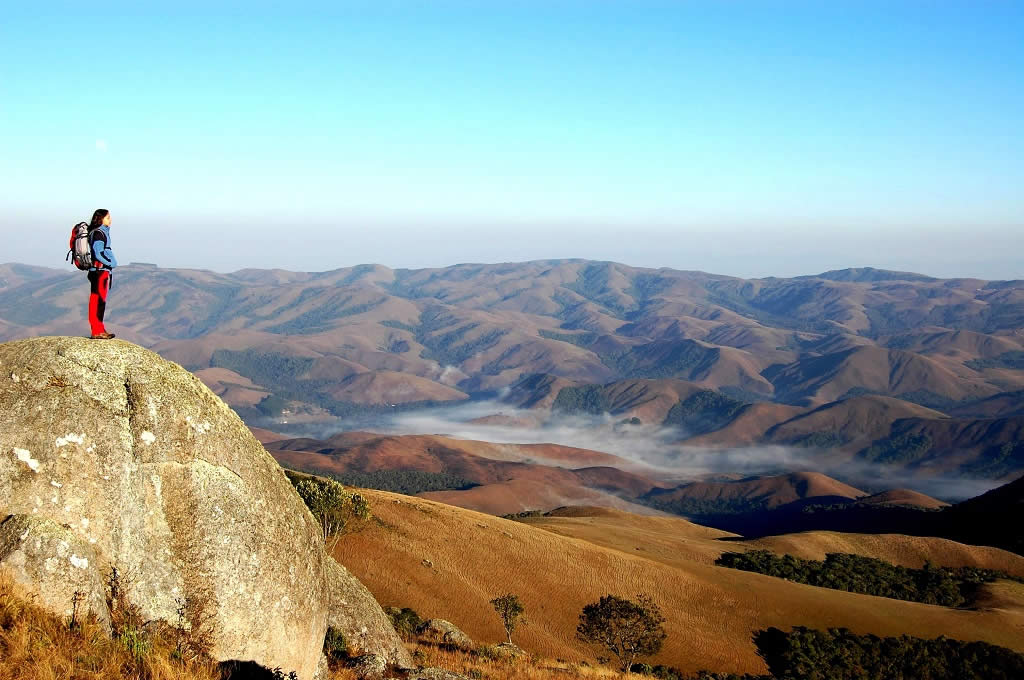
748, 138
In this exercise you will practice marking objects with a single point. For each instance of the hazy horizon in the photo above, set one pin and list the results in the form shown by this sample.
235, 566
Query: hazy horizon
765, 273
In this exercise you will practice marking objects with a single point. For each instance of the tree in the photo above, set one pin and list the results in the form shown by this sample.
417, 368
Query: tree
331, 505
510, 609
625, 628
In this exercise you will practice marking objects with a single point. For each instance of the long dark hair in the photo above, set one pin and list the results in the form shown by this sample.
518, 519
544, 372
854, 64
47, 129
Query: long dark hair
97, 219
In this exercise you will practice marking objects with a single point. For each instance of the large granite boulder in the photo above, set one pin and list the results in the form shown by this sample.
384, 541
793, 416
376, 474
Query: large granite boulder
353, 610
113, 457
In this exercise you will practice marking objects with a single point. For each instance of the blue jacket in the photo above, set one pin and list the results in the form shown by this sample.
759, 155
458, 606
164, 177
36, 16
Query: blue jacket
102, 253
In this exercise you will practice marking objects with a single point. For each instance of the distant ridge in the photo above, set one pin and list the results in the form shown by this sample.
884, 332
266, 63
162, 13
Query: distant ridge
868, 274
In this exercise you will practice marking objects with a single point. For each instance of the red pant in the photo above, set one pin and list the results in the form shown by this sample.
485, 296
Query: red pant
99, 286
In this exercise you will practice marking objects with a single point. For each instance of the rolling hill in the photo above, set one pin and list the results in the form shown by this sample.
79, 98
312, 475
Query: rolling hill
495, 478
449, 562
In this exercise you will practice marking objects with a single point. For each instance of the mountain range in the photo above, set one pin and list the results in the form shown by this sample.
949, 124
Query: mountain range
852, 367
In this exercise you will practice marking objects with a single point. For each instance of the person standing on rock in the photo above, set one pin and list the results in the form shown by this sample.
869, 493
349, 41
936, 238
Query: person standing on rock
101, 272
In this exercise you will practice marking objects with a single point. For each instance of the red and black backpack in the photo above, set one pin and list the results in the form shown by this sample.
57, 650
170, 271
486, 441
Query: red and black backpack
80, 251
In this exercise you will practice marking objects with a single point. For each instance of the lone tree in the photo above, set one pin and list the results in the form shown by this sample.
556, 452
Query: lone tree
510, 609
625, 628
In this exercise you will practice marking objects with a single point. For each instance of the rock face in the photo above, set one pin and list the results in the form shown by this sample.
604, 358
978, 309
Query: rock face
113, 457
353, 610
36, 550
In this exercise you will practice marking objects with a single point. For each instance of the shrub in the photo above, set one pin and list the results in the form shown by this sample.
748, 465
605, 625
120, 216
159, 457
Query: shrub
405, 621
335, 647
334, 508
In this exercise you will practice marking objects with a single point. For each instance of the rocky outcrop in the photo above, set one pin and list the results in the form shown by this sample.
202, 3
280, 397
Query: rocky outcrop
508, 650
353, 611
444, 632
369, 666
113, 457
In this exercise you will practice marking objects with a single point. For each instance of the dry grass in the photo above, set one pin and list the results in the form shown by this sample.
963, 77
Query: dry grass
527, 668
37, 645
675, 541
712, 611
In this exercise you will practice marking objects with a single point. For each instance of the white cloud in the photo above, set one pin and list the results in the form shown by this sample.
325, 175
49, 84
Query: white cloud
656, 451
101, 145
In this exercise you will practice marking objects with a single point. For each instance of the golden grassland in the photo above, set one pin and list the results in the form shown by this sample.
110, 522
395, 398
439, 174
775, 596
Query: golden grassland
675, 541
448, 562
528, 668
38, 645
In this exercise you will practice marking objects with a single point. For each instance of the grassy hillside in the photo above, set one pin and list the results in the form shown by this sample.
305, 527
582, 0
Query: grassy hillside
448, 562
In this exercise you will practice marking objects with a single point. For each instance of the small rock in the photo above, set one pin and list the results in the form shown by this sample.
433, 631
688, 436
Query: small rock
507, 650
444, 632
428, 564
369, 666
437, 674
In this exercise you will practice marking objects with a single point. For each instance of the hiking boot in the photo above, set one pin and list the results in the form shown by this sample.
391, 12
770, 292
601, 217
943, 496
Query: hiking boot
102, 336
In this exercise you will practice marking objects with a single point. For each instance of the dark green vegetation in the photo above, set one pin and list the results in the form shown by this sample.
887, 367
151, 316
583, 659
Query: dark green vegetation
409, 482
331, 306
445, 340
869, 576
818, 440
902, 448
335, 508
1002, 460
773, 307
578, 339
335, 646
1012, 360
405, 620
703, 411
708, 511
588, 399
684, 359
838, 654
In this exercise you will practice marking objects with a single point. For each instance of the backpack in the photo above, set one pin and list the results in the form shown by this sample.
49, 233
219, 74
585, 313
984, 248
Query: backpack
80, 252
